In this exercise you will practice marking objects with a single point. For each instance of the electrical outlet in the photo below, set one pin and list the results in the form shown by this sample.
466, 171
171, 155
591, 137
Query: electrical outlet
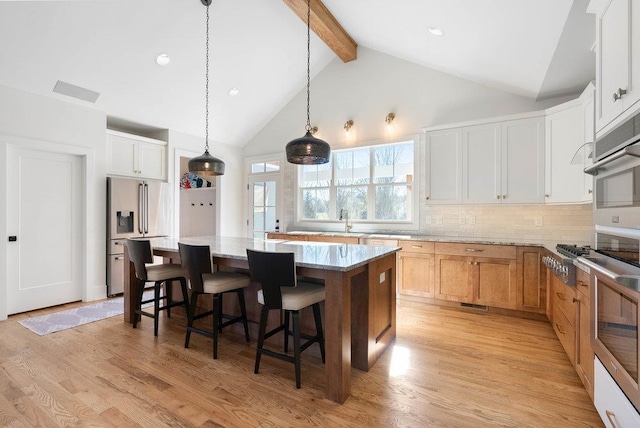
437, 219
471, 219
538, 221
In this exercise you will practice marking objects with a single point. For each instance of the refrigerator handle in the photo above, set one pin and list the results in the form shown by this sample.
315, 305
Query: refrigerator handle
146, 208
140, 208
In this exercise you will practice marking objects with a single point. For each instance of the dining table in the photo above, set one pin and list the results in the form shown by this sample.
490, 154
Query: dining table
360, 294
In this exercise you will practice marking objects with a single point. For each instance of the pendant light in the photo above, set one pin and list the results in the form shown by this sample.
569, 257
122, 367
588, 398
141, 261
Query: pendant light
205, 164
308, 150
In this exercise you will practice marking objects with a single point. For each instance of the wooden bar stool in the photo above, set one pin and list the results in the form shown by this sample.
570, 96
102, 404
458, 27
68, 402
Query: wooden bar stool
141, 255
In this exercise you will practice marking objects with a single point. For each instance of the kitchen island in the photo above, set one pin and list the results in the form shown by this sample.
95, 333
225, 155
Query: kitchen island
360, 295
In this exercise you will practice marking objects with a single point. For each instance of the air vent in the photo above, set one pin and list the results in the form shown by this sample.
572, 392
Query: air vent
74, 91
472, 306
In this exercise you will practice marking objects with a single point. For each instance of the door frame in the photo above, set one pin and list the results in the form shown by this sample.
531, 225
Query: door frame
263, 176
89, 228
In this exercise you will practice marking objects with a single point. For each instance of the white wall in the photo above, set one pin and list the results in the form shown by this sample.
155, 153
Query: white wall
366, 89
45, 123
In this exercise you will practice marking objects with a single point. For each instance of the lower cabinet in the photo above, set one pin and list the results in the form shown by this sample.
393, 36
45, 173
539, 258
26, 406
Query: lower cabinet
532, 280
585, 355
415, 268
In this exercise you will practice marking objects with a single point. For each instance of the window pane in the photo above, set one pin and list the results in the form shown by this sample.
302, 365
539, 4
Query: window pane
315, 204
270, 219
393, 163
351, 166
270, 194
258, 194
316, 175
272, 166
353, 199
258, 219
257, 167
393, 202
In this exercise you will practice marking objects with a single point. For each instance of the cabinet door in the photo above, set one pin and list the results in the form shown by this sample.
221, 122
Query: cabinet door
523, 161
443, 166
481, 170
415, 273
563, 132
584, 362
151, 161
532, 281
612, 62
494, 282
121, 155
452, 278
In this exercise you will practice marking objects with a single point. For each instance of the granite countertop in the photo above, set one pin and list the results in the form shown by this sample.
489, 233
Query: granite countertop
317, 255
433, 238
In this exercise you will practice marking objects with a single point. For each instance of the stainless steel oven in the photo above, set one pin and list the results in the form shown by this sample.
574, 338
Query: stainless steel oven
615, 309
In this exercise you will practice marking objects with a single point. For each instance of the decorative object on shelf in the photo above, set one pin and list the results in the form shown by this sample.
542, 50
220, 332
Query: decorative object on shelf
190, 180
206, 164
308, 150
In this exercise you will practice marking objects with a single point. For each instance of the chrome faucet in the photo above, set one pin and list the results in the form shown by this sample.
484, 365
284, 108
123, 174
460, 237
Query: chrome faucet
344, 215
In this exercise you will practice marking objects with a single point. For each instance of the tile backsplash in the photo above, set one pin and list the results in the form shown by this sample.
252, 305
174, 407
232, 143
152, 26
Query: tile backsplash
547, 224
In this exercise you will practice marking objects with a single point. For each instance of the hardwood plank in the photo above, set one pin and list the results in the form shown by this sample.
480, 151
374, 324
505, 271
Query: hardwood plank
446, 368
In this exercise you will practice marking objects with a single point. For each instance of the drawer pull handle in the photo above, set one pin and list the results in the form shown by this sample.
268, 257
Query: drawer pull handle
473, 250
618, 94
584, 284
416, 246
119, 258
576, 300
560, 296
560, 329
611, 416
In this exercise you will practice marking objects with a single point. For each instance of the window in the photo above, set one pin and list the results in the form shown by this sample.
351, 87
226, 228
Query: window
373, 183
268, 166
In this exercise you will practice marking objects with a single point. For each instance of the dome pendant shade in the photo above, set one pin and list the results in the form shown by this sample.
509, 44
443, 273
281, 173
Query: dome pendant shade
308, 150
206, 165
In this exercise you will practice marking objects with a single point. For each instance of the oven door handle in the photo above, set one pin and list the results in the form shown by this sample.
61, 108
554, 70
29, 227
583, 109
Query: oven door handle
630, 281
627, 151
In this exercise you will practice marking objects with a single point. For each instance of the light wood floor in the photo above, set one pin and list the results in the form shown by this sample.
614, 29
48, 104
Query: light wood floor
447, 368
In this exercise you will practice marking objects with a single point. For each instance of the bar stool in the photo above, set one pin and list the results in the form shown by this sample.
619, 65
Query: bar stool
281, 290
140, 254
196, 260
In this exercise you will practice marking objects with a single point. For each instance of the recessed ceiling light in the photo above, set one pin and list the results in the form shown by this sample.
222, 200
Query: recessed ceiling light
163, 59
233, 92
435, 31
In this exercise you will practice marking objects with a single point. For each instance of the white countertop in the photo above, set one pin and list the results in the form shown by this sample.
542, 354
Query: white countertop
317, 255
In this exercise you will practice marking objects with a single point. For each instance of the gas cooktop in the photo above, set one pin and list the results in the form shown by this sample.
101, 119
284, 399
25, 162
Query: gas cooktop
573, 251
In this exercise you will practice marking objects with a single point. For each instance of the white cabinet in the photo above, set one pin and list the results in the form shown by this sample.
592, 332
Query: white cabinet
614, 408
503, 162
443, 166
495, 162
617, 58
134, 156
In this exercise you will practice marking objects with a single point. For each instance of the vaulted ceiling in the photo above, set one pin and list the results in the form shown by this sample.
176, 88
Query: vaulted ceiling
533, 48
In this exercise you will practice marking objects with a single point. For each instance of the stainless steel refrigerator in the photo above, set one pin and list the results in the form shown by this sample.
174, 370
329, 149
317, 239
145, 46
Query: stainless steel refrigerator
135, 208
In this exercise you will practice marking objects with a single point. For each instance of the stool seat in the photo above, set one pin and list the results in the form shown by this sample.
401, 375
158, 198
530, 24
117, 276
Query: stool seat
220, 282
166, 271
298, 297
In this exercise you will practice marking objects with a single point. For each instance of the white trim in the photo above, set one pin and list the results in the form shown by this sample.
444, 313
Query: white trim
619, 231
517, 116
89, 230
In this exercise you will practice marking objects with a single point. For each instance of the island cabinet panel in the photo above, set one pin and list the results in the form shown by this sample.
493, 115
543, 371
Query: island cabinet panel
494, 282
337, 239
286, 236
415, 268
532, 287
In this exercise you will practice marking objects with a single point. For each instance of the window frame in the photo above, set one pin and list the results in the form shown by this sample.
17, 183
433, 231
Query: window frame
369, 225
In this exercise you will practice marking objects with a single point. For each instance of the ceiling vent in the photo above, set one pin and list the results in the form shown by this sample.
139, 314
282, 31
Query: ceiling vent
74, 91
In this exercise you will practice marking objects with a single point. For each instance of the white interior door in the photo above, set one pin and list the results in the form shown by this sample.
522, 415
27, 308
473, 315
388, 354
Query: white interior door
44, 223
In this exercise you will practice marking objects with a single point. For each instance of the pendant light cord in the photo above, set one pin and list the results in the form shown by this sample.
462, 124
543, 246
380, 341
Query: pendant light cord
206, 91
308, 127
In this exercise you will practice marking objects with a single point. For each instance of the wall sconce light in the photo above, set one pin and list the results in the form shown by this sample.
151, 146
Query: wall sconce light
314, 130
389, 119
347, 125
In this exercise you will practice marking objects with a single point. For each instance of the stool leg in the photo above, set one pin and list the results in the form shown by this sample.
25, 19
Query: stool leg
185, 295
220, 296
319, 332
243, 311
167, 294
190, 314
156, 307
296, 345
286, 331
264, 317
216, 323
138, 303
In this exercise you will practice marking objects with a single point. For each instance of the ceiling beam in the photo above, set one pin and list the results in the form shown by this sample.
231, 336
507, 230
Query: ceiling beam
323, 23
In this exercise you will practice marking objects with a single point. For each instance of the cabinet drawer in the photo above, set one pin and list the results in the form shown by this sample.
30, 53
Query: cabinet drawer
566, 332
564, 298
583, 283
378, 242
611, 403
417, 246
476, 250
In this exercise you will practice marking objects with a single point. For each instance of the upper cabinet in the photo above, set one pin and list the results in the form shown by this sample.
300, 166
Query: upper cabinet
134, 156
569, 144
617, 58
499, 162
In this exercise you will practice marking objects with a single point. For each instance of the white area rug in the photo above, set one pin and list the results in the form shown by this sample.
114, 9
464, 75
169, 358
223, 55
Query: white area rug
70, 318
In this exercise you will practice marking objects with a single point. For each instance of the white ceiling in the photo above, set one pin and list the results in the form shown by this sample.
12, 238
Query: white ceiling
534, 48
